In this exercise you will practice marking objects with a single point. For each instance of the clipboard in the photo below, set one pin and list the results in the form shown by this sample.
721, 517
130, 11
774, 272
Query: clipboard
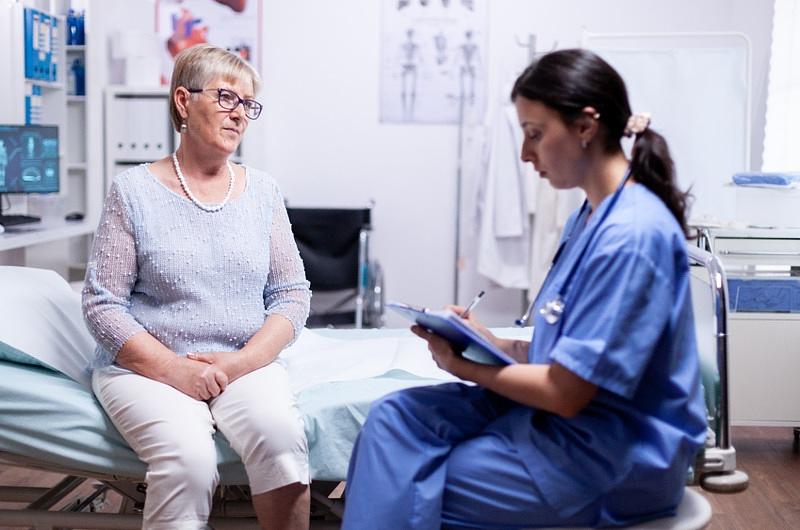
456, 331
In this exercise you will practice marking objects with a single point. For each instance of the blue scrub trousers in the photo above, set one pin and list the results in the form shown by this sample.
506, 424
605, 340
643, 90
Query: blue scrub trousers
454, 444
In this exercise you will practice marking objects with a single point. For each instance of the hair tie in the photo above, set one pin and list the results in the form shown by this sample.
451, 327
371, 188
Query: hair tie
637, 124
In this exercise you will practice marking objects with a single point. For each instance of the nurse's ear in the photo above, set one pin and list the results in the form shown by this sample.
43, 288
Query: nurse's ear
587, 124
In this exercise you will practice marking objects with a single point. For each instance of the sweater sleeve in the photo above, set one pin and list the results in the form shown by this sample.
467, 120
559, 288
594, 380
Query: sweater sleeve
110, 276
287, 292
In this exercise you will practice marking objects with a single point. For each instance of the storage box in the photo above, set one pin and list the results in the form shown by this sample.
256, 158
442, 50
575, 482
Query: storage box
767, 207
764, 296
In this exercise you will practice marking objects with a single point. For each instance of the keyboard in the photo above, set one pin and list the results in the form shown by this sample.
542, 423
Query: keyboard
17, 219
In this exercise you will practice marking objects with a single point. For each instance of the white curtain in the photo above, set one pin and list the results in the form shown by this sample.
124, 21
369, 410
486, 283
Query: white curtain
783, 95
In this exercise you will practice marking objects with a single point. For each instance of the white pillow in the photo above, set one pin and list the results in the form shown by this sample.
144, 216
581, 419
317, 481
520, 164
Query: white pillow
41, 316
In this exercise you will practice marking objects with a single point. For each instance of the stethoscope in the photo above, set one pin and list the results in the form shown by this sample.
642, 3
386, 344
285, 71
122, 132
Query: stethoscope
553, 309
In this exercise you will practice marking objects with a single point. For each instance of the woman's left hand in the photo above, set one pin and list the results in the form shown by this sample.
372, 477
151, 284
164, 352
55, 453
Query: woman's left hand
442, 352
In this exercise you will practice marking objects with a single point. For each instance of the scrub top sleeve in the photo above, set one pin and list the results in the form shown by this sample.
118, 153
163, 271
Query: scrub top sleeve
614, 320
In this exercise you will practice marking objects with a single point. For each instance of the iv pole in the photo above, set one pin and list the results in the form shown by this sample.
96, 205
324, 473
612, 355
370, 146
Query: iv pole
530, 44
459, 189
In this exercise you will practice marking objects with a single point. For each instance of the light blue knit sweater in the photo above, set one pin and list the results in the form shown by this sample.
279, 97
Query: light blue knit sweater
197, 281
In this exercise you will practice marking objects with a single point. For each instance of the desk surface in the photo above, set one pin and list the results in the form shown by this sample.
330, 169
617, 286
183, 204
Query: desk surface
35, 233
753, 232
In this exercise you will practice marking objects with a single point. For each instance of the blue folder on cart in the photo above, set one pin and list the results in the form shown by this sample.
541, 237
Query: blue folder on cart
465, 339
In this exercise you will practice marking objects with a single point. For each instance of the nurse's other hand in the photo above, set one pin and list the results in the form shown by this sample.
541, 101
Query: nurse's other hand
441, 351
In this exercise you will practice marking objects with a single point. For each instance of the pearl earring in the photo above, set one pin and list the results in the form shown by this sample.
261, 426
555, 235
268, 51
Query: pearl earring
183, 127
584, 144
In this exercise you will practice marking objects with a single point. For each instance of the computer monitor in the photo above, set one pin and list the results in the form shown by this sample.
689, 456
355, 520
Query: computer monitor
29, 159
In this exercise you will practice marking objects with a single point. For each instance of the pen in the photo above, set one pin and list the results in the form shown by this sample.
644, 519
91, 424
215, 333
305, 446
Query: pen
472, 304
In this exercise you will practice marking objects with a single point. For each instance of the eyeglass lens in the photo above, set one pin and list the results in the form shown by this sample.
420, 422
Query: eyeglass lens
229, 100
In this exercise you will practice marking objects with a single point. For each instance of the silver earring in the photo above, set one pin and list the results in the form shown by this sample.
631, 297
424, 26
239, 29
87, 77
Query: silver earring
183, 127
584, 144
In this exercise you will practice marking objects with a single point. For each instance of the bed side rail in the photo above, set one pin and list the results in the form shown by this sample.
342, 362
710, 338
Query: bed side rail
715, 468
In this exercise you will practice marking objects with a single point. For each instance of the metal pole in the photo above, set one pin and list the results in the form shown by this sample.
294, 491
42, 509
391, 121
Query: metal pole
459, 185
719, 294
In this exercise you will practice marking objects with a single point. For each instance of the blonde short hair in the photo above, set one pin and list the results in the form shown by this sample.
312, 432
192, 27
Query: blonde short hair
198, 65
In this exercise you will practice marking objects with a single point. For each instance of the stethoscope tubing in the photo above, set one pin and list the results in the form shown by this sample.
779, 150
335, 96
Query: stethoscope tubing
562, 291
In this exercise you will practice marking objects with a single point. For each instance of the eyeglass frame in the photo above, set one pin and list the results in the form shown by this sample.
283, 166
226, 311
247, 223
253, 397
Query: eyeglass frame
241, 101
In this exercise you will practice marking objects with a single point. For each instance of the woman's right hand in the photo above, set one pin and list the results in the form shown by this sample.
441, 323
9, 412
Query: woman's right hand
198, 379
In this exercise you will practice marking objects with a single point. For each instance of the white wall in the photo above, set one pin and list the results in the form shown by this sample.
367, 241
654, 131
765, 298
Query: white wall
320, 137
322, 140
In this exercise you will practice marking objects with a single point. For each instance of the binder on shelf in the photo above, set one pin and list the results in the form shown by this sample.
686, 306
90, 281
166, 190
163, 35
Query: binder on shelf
33, 104
41, 31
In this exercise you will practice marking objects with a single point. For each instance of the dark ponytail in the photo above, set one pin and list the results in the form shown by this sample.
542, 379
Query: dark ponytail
569, 81
651, 165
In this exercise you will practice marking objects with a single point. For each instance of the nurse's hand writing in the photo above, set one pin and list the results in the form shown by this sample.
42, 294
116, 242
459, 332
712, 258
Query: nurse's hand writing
517, 349
442, 352
474, 322
198, 379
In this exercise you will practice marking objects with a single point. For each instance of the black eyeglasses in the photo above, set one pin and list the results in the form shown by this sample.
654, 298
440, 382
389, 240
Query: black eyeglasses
229, 100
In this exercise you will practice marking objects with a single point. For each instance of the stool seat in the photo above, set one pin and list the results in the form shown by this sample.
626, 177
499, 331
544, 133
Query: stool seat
693, 513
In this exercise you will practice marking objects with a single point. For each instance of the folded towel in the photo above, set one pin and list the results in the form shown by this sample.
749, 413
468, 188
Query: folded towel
770, 180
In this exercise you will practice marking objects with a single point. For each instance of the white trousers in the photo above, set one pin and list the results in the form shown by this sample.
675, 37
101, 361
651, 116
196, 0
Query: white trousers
172, 433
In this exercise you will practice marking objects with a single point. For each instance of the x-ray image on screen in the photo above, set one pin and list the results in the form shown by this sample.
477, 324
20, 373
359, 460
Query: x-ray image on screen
28, 159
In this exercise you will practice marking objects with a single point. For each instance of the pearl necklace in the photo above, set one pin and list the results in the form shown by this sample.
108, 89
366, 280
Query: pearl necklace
203, 206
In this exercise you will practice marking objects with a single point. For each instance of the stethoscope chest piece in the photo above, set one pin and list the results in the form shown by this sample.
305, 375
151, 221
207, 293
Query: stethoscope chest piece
552, 310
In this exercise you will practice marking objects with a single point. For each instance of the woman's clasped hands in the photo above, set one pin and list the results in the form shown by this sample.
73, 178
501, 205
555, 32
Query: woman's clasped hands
199, 375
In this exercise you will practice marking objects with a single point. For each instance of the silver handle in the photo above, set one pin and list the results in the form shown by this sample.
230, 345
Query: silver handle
759, 253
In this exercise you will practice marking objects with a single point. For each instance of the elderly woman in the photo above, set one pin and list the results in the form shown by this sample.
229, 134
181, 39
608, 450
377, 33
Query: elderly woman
193, 289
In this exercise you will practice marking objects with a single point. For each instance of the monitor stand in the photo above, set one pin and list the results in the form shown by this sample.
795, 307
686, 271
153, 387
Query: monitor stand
15, 219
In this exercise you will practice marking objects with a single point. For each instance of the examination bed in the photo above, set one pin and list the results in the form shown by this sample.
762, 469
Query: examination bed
50, 420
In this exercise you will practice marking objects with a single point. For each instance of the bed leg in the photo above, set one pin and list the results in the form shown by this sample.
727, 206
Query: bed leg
56, 493
328, 496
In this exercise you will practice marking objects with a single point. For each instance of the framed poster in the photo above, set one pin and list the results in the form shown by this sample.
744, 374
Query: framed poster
433, 59
231, 24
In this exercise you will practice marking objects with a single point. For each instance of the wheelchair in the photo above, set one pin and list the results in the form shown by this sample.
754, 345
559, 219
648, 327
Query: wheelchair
347, 284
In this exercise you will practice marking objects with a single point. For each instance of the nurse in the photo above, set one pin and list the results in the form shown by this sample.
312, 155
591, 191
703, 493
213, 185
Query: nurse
601, 419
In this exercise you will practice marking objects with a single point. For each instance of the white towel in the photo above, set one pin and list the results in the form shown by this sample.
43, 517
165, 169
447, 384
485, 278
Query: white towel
504, 207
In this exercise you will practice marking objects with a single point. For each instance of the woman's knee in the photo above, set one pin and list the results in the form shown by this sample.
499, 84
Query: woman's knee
191, 466
275, 432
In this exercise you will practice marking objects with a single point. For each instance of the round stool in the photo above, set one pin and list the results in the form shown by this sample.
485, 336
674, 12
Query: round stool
693, 513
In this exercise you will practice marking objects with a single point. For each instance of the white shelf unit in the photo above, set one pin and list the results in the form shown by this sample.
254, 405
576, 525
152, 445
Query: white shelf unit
764, 347
55, 243
137, 127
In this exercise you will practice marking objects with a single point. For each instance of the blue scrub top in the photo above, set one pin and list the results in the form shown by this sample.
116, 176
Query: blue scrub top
628, 328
